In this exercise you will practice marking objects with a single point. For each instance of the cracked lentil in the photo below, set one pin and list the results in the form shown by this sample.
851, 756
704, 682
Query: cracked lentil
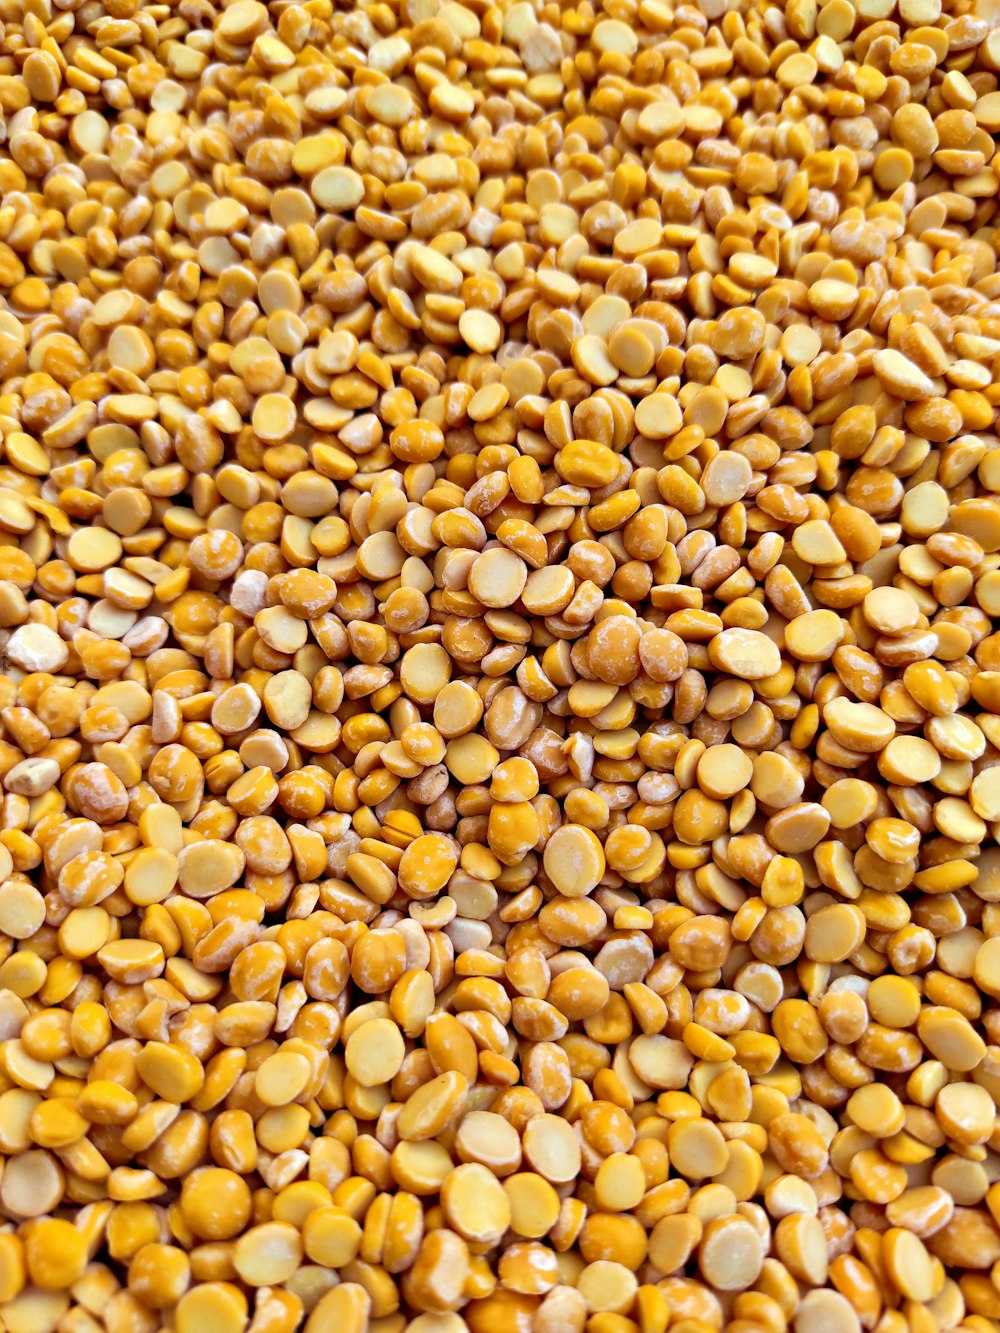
499, 536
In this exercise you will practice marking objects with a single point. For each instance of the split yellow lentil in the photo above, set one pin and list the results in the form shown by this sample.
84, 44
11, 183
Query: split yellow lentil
500, 629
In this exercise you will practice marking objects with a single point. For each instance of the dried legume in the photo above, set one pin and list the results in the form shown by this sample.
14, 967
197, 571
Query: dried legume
499, 584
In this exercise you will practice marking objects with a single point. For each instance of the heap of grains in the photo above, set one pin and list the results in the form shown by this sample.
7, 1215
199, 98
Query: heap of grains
499, 592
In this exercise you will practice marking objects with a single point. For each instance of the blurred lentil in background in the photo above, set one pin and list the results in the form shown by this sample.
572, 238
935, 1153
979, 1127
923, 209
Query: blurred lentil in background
499, 580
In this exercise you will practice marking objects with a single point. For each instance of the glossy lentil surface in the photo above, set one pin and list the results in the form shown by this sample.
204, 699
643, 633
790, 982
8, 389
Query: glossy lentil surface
499, 571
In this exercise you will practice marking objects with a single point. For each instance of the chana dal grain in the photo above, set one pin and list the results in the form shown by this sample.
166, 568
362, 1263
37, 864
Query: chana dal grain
500, 717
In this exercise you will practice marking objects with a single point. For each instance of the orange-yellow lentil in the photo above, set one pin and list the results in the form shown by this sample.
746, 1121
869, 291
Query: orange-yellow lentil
500, 694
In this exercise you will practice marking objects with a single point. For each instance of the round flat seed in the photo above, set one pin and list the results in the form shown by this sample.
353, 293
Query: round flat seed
374, 1052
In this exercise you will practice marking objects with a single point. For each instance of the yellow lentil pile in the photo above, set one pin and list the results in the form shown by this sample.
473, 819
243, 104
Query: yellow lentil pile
499, 564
